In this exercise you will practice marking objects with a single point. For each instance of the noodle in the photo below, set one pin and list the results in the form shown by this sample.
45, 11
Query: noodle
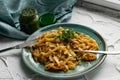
55, 54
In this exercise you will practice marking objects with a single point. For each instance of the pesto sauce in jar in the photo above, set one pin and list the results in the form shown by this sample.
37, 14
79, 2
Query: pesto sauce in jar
29, 20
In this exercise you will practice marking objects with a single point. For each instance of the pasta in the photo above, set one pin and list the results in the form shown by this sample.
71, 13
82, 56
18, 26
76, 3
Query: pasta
60, 53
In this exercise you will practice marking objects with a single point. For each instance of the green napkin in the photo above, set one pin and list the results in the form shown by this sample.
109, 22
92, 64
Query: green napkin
10, 9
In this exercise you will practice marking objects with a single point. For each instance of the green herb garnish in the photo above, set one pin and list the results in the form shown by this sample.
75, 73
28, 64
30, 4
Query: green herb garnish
66, 35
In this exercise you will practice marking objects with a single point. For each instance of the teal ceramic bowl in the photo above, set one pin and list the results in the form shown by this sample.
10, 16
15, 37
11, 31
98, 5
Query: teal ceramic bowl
81, 69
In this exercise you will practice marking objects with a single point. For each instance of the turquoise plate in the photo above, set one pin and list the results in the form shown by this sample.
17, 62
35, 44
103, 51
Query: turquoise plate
81, 69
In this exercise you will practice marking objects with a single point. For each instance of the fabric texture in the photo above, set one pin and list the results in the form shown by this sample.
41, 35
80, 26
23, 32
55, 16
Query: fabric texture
10, 9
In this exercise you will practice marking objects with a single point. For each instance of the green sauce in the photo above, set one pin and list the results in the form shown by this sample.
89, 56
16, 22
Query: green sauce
29, 20
47, 19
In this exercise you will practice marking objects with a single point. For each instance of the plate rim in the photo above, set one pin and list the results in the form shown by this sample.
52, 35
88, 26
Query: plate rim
69, 77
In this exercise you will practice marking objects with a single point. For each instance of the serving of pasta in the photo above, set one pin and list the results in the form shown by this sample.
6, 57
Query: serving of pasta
60, 49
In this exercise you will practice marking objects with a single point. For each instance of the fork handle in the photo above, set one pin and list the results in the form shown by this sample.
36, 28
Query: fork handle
103, 52
6, 49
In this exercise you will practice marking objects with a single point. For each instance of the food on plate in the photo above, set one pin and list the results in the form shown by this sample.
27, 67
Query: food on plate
60, 49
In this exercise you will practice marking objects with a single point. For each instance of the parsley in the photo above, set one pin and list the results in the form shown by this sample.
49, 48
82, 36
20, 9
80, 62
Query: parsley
66, 35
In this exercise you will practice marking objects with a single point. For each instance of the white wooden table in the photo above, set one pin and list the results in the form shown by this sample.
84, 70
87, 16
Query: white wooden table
13, 68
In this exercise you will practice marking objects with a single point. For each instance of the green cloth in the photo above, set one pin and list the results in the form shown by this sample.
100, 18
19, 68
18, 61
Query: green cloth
10, 9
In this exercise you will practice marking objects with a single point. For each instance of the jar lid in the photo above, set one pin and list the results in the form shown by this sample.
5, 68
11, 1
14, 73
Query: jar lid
47, 19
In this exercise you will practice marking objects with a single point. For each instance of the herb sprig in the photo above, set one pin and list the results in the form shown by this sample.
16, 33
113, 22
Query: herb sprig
66, 35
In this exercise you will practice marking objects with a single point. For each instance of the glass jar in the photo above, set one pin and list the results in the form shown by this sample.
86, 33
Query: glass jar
29, 20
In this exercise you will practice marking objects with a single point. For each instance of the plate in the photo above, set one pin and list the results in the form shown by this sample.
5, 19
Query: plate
81, 69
